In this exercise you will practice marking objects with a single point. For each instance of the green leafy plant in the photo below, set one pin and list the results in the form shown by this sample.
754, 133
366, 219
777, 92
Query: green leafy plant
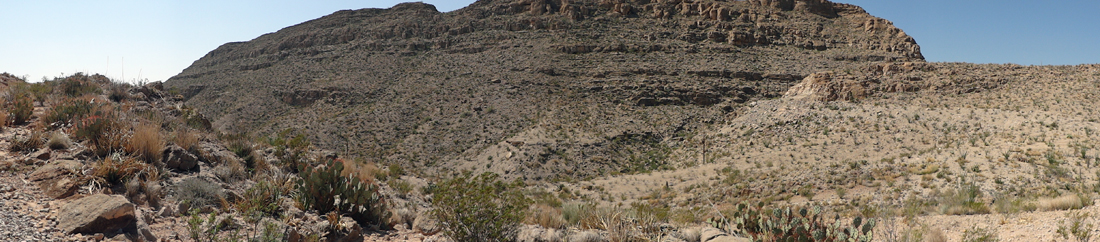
1077, 228
793, 224
320, 187
67, 112
977, 234
478, 208
21, 107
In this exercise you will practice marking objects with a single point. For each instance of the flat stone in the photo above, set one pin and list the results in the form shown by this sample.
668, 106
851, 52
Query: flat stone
98, 213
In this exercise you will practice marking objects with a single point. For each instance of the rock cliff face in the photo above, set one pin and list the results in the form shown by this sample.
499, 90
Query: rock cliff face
533, 88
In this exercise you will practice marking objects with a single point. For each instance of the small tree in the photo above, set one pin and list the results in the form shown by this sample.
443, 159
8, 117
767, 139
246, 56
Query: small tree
478, 208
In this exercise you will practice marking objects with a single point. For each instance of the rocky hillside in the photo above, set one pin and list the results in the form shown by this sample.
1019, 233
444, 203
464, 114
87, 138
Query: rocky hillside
530, 88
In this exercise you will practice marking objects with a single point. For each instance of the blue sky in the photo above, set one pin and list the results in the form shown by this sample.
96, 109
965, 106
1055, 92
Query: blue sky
154, 40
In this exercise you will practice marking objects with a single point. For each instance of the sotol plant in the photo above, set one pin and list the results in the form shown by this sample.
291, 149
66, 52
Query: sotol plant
322, 188
793, 224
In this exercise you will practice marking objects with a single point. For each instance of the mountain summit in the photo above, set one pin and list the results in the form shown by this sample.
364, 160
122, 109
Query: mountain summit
532, 88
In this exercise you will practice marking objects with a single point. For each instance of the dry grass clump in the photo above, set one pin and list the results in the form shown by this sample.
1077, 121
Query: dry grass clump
29, 143
545, 216
186, 139
59, 141
198, 193
117, 169
146, 143
231, 171
1064, 202
586, 236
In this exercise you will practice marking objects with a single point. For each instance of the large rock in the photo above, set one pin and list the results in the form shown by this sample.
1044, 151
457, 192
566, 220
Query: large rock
57, 179
98, 213
175, 157
829, 86
710, 234
426, 225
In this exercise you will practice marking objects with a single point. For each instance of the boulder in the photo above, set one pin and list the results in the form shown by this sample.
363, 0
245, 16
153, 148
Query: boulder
98, 213
710, 234
175, 157
57, 179
426, 225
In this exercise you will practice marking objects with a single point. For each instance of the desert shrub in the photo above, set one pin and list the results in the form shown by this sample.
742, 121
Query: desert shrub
965, 199
78, 85
692, 215
792, 224
320, 186
1064, 202
118, 92
247, 152
58, 141
102, 131
68, 111
20, 107
199, 193
478, 208
575, 212
231, 171
289, 150
262, 198
402, 187
39, 91
1077, 228
976, 234
186, 139
146, 143
29, 143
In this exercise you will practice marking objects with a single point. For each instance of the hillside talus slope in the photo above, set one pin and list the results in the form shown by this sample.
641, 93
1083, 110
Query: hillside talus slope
536, 89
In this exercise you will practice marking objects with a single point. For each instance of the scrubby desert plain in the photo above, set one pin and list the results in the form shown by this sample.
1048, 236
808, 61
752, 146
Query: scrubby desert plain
599, 120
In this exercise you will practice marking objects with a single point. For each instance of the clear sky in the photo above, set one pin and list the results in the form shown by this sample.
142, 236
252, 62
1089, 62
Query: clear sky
154, 40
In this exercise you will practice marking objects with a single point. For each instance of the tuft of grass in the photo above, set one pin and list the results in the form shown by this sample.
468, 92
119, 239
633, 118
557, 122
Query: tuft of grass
29, 143
186, 139
575, 213
68, 111
1077, 228
1064, 202
964, 200
117, 169
58, 141
20, 106
146, 143
976, 234
231, 171
545, 216
199, 193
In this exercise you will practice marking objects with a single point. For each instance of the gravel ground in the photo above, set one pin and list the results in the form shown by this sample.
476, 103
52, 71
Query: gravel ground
15, 225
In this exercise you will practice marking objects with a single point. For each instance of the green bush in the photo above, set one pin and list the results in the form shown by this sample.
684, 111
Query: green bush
321, 185
21, 107
78, 85
262, 198
68, 112
792, 224
289, 150
478, 208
